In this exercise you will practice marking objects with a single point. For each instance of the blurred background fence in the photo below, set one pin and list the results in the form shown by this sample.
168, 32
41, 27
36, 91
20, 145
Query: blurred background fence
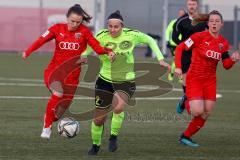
22, 21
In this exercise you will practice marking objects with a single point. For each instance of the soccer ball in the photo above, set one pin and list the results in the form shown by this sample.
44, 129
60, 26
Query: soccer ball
68, 127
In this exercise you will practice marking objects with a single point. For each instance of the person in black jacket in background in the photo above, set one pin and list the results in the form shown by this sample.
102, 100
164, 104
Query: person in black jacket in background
184, 27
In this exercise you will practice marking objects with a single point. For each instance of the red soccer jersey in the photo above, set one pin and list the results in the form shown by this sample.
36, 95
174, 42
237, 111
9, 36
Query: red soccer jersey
207, 52
68, 43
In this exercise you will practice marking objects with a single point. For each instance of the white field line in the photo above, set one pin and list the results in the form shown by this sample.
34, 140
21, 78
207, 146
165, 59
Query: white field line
23, 84
84, 98
21, 79
82, 84
89, 98
92, 85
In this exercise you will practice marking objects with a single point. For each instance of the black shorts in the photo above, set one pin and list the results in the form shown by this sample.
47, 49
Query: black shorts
105, 90
186, 61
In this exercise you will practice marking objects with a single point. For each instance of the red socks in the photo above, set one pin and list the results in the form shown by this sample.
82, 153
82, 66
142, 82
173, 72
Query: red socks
50, 116
52, 107
194, 126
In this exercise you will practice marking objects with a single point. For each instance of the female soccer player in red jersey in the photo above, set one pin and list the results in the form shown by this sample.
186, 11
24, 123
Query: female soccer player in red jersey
208, 47
71, 40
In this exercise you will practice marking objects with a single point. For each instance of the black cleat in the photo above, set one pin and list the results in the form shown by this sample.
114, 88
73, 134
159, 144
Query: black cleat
112, 143
94, 150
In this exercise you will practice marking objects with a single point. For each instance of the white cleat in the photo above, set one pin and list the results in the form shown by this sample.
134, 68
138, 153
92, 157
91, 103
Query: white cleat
46, 133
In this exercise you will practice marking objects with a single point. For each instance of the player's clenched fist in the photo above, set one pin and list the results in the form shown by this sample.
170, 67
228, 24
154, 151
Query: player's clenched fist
112, 56
235, 56
24, 55
178, 72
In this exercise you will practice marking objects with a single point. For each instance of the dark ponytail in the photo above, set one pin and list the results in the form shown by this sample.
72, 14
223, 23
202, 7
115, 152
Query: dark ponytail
199, 18
116, 15
205, 17
77, 9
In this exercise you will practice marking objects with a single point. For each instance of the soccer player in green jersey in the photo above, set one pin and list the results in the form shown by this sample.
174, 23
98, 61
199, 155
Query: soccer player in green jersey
115, 84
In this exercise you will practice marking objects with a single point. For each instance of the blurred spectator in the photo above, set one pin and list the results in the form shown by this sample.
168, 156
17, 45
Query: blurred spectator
170, 43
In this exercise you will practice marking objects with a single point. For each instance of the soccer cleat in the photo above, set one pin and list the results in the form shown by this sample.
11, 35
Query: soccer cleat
112, 147
46, 133
170, 77
188, 141
180, 105
94, 150
180, 81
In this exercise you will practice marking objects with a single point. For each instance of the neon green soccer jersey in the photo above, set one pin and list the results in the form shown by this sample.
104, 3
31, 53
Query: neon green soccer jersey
122, 69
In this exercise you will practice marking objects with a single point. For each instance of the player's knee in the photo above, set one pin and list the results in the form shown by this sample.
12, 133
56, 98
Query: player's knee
119, 107
197, 111
56, 88
98, 121
56, 93
206, 114
118, 110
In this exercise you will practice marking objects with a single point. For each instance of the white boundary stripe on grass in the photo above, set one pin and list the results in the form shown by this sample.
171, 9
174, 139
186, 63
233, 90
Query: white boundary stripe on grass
88, 84
88, 98
221, 90
22, 84
140, 87
82, 83
21, 79
85, 98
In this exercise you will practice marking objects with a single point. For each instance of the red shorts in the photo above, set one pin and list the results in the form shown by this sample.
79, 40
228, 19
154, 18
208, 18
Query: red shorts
69, 81
199, 89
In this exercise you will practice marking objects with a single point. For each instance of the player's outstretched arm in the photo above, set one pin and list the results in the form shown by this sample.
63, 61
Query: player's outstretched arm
178, 55
154, 47
165, 64
95, 44
47, 36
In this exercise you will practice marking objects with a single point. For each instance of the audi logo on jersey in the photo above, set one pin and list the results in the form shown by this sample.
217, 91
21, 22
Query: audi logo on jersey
69, 45
213, 54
